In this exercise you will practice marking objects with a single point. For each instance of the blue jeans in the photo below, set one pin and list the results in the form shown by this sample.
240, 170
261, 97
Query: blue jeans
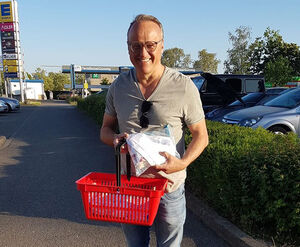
168, 223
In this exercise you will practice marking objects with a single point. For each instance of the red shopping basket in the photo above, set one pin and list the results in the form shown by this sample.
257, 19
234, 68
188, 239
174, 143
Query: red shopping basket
134, 200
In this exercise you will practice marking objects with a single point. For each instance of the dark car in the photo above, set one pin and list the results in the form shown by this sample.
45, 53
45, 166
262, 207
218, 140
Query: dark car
251, 99
65, 95
222, 89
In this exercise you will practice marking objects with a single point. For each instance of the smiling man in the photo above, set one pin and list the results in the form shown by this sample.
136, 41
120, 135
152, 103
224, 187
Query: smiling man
146, 98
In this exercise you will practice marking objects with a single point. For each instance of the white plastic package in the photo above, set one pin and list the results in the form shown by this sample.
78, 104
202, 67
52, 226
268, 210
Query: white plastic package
144, 148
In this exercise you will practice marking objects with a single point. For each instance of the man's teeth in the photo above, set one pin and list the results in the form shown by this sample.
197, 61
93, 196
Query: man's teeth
145, 60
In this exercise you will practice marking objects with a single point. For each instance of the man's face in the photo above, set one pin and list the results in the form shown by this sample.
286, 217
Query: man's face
145, 62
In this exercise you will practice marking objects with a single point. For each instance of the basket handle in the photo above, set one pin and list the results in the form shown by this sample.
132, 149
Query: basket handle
118, 162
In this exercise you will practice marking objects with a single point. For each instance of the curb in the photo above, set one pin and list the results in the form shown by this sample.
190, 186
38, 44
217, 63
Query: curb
2, 141
221, 226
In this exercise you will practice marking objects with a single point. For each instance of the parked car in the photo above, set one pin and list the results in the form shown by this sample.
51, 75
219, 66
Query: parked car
3, 106
12, 104
222, 89
279, 115
251, 99
65, 95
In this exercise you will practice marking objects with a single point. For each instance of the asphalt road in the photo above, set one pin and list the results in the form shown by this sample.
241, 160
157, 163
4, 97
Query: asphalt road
48, 148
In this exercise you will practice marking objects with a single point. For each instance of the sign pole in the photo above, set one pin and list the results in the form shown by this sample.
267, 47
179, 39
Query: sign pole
15, 14
5, 85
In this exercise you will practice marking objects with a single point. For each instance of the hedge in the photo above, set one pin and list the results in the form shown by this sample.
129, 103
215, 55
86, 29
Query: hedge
251, 177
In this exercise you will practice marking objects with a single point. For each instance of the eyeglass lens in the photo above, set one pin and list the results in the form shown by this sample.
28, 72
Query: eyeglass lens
150, 46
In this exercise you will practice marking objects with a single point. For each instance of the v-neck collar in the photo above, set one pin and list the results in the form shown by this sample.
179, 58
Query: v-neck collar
156, 88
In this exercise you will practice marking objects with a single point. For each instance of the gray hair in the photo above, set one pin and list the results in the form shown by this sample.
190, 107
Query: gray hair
141, 18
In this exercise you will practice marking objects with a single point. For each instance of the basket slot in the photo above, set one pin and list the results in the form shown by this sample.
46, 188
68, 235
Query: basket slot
118, 207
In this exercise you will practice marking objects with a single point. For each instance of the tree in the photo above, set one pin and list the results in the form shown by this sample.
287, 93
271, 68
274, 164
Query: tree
207, 62
278, 72
41, 74
237, 62
175, 58
59, 80
104, 81
270, 47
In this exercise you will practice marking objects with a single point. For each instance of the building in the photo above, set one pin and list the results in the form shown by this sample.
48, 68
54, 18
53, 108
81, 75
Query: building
33, 89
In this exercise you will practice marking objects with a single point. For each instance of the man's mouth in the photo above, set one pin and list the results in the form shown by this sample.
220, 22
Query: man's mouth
145, 60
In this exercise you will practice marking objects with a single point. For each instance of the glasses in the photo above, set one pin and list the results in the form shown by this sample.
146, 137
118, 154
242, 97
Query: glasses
137, 47
144, 120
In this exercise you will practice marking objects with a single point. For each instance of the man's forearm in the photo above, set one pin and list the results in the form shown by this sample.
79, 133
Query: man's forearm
107, 136
194, 149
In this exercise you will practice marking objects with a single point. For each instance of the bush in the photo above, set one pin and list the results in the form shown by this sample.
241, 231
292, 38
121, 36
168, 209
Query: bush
251, 177
94, 106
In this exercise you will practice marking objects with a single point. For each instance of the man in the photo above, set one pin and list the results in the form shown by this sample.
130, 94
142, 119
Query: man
148, 97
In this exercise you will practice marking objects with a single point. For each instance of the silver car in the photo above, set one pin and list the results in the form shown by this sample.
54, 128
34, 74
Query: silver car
12, 104
280, 115
3, 106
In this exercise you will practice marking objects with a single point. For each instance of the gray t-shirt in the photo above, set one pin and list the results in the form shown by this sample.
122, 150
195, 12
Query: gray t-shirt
176, 101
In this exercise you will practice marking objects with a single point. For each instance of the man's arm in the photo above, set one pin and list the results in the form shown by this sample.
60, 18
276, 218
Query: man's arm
108, 133
194, 149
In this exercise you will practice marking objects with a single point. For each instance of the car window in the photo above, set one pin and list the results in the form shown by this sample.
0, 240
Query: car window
249, 98
289, 100
252, 85
266, 98
198, 81
236, 84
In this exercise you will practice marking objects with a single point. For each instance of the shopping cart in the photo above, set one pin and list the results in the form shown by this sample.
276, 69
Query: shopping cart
121, 198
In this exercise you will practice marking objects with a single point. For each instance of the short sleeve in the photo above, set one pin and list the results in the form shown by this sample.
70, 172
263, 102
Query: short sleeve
109, 107
193, 111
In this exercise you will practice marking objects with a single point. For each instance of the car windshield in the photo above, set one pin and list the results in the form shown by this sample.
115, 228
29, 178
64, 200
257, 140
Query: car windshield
249, 98
288, 100
266, 98
198, 81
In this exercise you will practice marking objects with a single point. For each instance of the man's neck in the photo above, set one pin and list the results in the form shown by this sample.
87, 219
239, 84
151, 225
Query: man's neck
148, 79
148, 82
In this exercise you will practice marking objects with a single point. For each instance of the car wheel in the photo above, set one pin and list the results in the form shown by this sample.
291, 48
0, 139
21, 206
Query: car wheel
278, 130
9, 107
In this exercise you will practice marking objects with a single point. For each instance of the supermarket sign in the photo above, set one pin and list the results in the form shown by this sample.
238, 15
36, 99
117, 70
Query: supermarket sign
7, 27
6, 13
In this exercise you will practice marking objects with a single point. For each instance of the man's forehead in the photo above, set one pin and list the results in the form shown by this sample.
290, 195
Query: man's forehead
146, 27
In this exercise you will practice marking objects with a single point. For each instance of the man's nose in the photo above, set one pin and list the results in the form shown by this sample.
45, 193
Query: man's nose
144, 50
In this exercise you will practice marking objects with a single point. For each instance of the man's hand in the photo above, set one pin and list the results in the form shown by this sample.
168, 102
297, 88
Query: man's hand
119, 137
171, 165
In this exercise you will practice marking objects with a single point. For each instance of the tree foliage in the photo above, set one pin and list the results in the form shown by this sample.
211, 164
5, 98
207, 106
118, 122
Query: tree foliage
175, 58
53, 81
237, 62
278, 72
206, 62
269, 48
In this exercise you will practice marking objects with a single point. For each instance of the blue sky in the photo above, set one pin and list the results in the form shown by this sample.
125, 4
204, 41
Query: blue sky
93, 32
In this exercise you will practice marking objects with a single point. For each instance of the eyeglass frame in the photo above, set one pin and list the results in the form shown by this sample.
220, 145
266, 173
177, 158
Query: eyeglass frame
142, 45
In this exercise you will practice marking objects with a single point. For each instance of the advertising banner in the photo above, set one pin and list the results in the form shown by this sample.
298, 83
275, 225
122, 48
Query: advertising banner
10, 62
10, 69
7, 27
10, 75
10, 56
8, 46
7, 35
6, 13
